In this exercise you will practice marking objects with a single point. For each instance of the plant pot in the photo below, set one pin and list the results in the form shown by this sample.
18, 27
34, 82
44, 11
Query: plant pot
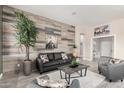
73, 66
27, 67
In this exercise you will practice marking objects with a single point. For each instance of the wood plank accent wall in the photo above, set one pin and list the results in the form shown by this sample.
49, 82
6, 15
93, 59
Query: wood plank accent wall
1, 62
13, 55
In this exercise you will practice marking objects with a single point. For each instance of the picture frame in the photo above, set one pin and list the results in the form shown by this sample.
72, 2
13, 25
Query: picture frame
51, 41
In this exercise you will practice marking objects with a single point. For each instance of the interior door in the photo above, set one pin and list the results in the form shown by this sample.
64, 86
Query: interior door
106, 48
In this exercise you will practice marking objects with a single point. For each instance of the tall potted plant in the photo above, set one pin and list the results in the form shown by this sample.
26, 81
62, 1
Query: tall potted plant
26, 35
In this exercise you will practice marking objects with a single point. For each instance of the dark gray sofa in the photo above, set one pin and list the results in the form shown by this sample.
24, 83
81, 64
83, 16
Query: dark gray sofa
55, 60
111, 71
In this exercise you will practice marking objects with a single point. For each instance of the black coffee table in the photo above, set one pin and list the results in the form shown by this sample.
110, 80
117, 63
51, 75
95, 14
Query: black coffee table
69, 71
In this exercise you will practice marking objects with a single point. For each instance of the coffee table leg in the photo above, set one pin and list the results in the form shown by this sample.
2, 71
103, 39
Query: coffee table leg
67, 78
85, 71
81, 73
61, 74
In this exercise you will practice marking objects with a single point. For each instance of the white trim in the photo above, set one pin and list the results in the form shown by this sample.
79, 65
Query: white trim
91, 48
83, 45
103, 36
114, 54
1, 75
114, 45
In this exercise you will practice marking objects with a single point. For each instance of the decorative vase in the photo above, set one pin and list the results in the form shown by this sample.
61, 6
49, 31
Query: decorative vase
27, 67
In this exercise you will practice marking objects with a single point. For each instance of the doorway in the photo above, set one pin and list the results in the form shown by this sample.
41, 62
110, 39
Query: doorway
103, 46
81, 45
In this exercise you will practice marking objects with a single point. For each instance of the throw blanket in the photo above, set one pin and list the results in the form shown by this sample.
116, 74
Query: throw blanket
51, 83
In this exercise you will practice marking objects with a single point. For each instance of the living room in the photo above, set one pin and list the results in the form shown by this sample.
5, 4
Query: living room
62, 41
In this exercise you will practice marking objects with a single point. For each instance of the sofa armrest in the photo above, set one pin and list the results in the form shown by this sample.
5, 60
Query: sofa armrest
39, 64
116, 71
103, 68
70, 57
104, 60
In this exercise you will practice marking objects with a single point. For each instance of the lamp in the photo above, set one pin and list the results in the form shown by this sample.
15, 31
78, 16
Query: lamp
74, 51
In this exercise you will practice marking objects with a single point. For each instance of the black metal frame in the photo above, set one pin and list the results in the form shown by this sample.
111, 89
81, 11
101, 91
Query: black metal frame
68, 76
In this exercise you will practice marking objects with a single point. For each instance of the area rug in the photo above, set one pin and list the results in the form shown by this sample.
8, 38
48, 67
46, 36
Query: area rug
113, 84
91, 80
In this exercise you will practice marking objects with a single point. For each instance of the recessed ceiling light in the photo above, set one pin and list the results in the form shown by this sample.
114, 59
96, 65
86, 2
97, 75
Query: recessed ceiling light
74, 13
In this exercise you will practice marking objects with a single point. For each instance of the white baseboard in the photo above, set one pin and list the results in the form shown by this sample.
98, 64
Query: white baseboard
1, 75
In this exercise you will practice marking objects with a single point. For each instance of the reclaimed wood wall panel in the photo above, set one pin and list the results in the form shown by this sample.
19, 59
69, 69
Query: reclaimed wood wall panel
1, 32
64, 32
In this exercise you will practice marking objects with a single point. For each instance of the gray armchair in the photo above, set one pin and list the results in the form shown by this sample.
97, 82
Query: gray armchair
103, 61
111, 71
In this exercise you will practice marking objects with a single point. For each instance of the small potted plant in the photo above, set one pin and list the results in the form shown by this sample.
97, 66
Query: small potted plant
26, 36
74, 63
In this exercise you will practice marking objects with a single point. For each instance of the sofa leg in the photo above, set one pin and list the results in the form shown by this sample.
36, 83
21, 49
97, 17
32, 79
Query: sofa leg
99, 72
110, 80
122, 80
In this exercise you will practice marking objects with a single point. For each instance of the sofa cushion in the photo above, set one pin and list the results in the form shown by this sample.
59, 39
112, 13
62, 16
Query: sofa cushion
57, 56
51, 63
60, 61
104, 60
50, 56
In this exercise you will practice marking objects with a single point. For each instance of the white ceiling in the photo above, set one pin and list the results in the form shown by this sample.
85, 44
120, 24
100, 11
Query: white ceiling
89, 15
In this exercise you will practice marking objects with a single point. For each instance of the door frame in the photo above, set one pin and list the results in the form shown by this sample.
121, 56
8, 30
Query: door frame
114, 44
1, 75
82, 56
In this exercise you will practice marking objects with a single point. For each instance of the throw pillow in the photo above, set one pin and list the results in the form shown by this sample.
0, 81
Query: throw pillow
44, 58
50, 56
111, 61
115, 61
64, 56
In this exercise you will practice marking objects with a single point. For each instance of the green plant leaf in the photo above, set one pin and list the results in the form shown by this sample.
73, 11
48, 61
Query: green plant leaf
26, 32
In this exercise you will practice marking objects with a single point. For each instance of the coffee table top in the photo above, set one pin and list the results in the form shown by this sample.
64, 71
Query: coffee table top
68, 70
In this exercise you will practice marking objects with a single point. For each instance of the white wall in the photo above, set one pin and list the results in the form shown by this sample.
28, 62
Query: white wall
117, 29
79, 29
87, 41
